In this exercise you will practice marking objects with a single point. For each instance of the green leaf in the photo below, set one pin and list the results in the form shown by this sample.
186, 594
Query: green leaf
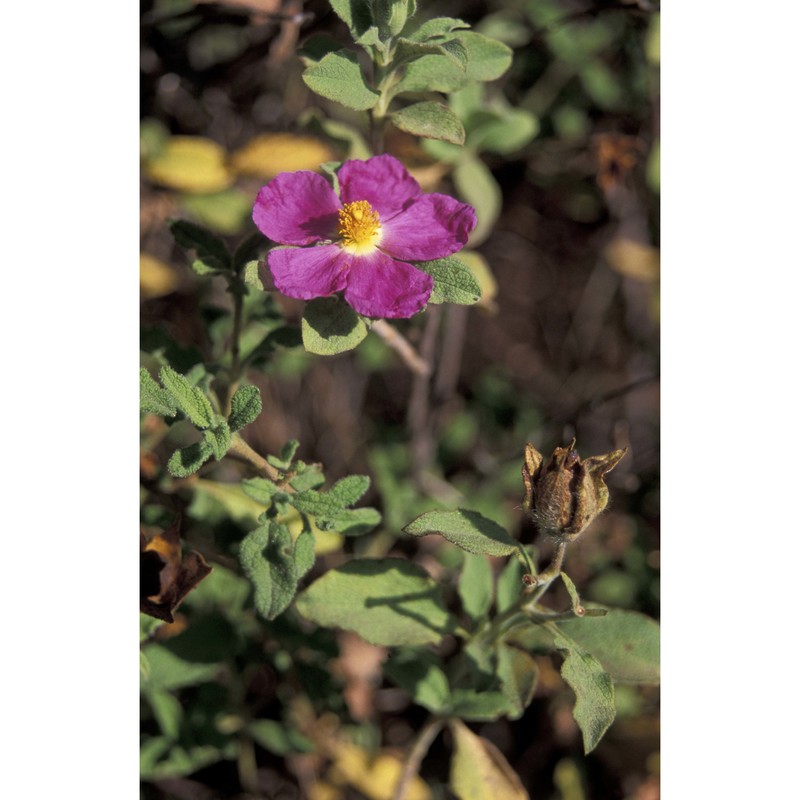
267, 558
218, 439
278, 738
190, 399
203, 268
469, 530
518, 674
391, 16
330, 326
310, 478
476, 185
452, 49
356, 14
188, 460
626, 643
316, 47
260, 489
431, 121
209, 246
385, 601
338, 77
509, 585
471, 705
167, 710
245, 407
594, 692
317, 504
288, 452
304, 553
487, 59
505, 134
350, 490
419, 672
169, 671
475, 586
355, 521
453, 281
439, 26
154, 399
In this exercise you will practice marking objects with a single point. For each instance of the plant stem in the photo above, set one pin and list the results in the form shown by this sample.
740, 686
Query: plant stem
544, 579
240, 448
410, 357
418, 750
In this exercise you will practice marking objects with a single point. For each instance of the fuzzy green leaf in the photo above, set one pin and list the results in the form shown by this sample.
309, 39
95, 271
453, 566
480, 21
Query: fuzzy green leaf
385, 601
469, 530
350, 490
218, 439
318, 504
355, 521
509, 585
453, 281
573, 594
260, 489
471, 705
594, 692
188, 460
518, 674
431, 121
626, 643
154, 399
190, 399
330, 326
391, 16
356, 14
245, 407
338, 77
488, 58
310, 478
267, 558
408, 50
252, 276
419, 672
439, 26
505, 134
475, 586
304, 553
209, 247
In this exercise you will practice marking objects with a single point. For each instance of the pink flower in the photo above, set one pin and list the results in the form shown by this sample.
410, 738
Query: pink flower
362, 242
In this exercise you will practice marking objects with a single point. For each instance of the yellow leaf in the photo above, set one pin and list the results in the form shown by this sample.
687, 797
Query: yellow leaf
375, 778
155, 277
190, 164
634, 259
479, 771
271, 153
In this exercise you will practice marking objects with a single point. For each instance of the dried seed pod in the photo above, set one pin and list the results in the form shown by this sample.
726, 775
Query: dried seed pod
565, 494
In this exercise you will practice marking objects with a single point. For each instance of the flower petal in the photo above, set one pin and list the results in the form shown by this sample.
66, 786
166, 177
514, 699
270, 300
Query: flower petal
297, 208
379, 286
308, 272
434, 226
382, 181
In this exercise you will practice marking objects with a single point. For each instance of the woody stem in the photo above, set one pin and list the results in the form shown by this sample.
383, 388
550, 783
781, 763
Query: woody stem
418, 750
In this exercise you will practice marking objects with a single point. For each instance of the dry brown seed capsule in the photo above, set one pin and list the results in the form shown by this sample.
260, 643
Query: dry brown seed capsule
564, 494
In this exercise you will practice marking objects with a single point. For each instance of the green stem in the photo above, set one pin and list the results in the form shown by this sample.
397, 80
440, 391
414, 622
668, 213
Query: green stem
241, 449
418, 750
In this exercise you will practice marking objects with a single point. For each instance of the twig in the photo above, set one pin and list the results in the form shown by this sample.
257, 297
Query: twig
418, 750
402, 346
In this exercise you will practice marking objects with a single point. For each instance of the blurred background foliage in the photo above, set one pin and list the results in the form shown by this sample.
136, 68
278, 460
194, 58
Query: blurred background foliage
562, 163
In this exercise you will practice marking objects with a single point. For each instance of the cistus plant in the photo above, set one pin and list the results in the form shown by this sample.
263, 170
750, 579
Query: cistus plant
281, 564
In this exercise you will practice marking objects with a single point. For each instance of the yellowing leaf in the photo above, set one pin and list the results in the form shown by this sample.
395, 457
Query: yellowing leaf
155, 277
634, 259
271, 153
374, 778
479, 771
483, 274
190, 164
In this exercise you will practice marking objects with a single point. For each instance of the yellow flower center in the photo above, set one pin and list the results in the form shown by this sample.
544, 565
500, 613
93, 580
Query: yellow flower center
359, 227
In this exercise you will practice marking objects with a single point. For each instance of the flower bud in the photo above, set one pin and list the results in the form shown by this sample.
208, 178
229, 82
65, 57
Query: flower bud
565, 494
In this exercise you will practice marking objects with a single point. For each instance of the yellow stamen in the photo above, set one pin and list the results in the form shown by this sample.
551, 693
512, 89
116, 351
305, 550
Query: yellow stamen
359, 227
